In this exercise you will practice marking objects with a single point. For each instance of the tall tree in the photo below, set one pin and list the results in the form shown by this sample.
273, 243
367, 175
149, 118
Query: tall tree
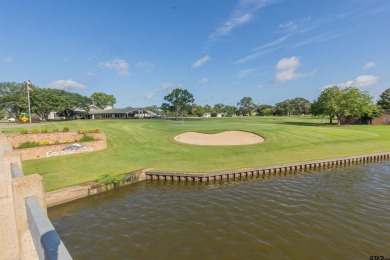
197, 110
230, 110
219, 108
207, 108
384, 99
102, 100
245, 106
44, 101
13, 98
70, 101
343, 102
180, 99
166, 108
301, 106
327, 103
265, 110
372, 111
3, 113
284, 108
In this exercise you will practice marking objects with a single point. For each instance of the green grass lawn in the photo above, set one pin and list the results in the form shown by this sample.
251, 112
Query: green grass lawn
139, 144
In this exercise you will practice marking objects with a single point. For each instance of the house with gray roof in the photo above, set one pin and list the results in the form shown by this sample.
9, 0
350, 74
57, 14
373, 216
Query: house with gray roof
128, 112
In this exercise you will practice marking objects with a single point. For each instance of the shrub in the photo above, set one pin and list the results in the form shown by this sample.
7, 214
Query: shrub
67, 141
35, 130
87, 131
87, 138
65, 129
56, 142
110, 179
44, 130
45, 142
28, 144
23, 131
55, 129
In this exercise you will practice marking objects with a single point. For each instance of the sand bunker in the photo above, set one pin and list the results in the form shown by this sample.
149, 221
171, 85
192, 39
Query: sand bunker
224, 138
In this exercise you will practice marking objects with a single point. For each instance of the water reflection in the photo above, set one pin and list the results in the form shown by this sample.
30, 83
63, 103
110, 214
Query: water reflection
334, 213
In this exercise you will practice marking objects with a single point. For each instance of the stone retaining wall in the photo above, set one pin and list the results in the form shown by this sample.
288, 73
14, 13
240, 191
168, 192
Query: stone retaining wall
59, 137
67, 144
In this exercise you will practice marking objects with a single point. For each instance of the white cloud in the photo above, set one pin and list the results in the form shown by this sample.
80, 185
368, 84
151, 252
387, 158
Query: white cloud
286, 69
121, 66
369, 65
232, 23
241, 15
66, 84
289, 27
145, 65
316, 39
90, 73
203, 81
245, 73
290, 30
164, 88
359, 82
200, 62
307, 24
255, 55
168, 87
303, 25
365, 80
270, 44
291, 63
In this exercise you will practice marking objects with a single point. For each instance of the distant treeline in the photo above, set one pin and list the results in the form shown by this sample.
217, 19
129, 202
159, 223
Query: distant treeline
14, 100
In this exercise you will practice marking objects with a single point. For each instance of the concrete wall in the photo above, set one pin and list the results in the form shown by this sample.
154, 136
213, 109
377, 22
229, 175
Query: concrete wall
46, 240
61, 196
9, 242
16, 241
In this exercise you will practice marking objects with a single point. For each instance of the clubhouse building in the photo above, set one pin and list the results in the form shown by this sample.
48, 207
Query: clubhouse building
109, 113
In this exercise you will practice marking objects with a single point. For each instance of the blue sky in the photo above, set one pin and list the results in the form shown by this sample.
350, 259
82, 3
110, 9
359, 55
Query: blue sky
220, 50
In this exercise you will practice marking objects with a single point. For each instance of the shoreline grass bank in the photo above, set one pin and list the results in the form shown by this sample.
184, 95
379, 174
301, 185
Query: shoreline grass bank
76, 192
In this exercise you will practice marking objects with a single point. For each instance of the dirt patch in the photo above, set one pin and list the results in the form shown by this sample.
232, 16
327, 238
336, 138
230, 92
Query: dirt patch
224, 138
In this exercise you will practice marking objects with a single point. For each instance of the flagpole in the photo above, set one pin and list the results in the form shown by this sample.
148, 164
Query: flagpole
29, 105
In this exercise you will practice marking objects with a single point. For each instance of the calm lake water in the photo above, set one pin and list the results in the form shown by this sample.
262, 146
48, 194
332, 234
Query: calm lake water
341, 213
